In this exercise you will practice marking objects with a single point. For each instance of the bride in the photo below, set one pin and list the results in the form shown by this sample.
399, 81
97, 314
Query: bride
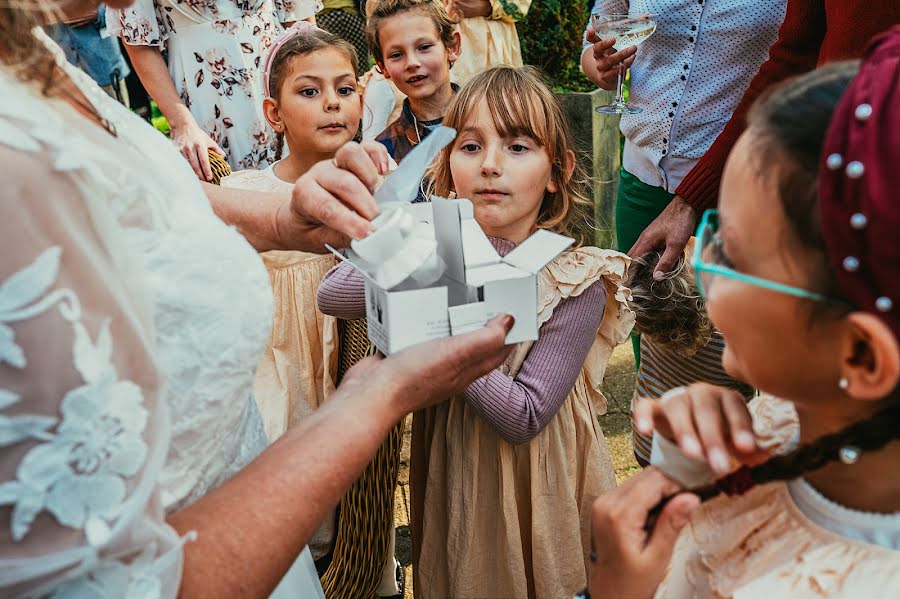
133, 308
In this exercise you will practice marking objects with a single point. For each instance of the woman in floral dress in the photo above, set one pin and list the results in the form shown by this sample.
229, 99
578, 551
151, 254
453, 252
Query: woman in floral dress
211, 93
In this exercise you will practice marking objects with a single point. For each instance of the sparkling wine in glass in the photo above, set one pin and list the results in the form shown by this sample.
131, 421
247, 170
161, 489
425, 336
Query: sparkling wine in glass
628, 31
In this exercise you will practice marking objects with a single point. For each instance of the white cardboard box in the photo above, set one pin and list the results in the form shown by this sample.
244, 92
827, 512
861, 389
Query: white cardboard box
477, 283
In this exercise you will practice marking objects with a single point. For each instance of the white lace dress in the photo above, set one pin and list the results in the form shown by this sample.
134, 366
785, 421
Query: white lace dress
131, 322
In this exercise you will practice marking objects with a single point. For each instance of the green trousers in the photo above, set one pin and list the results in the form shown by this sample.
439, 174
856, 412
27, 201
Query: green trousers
637, 205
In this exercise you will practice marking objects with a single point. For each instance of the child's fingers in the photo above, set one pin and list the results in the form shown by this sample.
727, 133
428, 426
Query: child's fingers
379, 155
673, 518
203, 158
710, 425
740, 424
643, 418
675, 412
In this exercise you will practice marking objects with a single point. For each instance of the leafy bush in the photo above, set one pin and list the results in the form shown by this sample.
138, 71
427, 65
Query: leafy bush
551, 39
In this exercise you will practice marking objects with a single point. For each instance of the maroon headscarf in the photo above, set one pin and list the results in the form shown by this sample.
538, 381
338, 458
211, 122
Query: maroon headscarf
859, 184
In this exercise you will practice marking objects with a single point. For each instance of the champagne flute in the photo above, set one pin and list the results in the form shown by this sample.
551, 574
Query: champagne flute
628, 31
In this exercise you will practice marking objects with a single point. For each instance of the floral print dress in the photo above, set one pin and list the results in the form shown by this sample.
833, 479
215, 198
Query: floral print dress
215, 50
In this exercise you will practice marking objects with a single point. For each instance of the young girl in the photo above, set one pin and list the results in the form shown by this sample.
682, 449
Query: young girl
313, 105
803, 280
414, 43
502, 476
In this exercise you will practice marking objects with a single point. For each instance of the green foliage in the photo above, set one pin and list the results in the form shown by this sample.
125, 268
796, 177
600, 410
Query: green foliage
158, 120
551, 39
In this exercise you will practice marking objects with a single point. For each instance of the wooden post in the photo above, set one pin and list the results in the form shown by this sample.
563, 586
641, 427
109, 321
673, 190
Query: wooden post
597, 148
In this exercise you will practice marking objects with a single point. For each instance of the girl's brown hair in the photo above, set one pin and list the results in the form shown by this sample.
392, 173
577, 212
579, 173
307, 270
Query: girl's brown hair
521, 105
302, 44
434, 10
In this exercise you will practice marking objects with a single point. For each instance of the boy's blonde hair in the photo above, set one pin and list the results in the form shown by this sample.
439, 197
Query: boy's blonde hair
520, 104
434, 10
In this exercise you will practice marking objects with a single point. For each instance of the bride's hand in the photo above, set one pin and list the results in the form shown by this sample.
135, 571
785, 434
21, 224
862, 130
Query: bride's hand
332, 202
429, 373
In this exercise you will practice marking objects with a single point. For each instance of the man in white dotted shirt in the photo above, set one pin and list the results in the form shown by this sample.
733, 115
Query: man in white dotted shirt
688, 77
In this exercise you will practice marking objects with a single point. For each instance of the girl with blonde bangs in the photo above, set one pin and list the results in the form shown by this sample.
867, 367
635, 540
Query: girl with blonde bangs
503, 475
520, 103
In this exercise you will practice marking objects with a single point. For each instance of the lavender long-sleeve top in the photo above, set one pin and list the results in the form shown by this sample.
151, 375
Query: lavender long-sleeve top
517, 408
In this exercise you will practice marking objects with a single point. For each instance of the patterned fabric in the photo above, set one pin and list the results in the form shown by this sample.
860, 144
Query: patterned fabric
351, 27
215, 53
662, 369
688, 77
407, 131
141, 365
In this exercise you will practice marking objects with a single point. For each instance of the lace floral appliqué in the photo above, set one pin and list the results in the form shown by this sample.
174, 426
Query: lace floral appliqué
76, 473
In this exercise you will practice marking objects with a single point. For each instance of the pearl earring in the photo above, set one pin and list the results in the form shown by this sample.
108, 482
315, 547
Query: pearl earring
849, 454
843, 384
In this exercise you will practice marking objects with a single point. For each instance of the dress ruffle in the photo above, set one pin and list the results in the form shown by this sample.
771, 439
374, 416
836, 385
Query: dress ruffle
761, 545
568, 276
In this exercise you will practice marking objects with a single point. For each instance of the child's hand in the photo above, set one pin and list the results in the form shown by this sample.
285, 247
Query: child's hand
630, 562
379, 155
706, 422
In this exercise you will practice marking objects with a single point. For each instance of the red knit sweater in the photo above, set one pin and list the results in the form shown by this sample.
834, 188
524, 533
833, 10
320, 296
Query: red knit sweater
814, 32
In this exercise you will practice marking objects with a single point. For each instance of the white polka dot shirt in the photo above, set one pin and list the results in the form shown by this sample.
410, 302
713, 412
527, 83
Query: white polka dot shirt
688, 77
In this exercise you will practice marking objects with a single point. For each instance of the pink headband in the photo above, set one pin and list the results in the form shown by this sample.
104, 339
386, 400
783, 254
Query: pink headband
294, 30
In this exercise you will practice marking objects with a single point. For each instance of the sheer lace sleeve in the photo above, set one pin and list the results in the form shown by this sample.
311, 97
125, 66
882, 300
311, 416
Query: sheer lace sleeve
82, 435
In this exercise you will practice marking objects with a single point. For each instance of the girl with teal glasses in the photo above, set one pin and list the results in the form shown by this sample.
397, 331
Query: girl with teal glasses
797, 493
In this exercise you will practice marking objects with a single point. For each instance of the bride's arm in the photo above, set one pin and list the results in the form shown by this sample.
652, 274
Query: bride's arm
329, 204
251, 528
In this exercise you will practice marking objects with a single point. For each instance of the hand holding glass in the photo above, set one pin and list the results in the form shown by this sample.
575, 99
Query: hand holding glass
628, 31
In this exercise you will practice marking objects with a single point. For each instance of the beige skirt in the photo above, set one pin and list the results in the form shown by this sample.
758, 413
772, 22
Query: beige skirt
491, 519
296, 372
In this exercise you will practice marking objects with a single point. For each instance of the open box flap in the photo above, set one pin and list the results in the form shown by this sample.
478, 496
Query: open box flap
537, 251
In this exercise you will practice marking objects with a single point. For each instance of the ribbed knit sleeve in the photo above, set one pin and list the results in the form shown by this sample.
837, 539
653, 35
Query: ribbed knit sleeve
519, 408
796, 51
342, 293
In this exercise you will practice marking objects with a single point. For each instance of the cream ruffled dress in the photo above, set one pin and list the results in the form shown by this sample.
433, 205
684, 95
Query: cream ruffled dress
492, 519
762, 545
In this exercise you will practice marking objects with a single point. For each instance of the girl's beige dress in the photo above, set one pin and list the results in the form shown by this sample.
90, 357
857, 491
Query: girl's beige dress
763, 545
296, 372
492, 519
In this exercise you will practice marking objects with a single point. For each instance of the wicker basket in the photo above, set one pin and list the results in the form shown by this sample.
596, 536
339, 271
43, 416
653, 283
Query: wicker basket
366, 520
219, 167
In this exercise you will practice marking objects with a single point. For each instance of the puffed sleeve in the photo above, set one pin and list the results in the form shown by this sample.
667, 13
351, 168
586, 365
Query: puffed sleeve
83, 431
288, 11
144, 23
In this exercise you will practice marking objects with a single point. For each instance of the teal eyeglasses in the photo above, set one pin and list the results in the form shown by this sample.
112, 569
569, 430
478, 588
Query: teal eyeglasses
708, 246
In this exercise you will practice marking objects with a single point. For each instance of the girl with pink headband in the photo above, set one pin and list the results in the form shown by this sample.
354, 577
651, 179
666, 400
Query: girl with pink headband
312, 103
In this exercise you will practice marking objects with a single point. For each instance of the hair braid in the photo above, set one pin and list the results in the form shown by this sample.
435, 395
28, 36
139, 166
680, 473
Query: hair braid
279, 145
866, 435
